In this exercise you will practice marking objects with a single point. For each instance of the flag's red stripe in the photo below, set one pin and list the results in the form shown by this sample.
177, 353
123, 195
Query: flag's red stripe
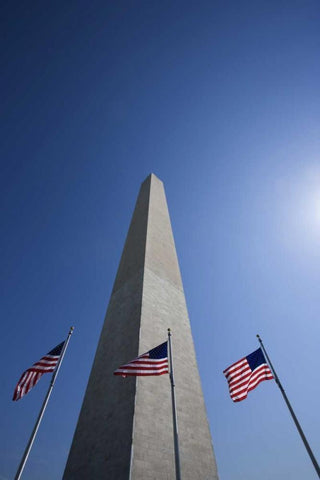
242, 380
241, 375
129, 374
24, 387
234, 365
145, 370
262, 370
145, 364
149, 360
242, 394
138, 369
49, 358
158, 362
244, 391
141, 369
245, 386
30, 377
44, 364
238, 398
242, 366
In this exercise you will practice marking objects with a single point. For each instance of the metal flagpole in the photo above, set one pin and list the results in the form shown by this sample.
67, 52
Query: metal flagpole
306, 444
174, 413
44, 405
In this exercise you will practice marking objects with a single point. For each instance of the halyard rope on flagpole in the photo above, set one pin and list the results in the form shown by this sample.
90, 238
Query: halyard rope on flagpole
306, 444
44, 405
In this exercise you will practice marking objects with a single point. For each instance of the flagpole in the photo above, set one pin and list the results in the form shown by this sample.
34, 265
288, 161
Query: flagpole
306, 444
44, 405
174, 413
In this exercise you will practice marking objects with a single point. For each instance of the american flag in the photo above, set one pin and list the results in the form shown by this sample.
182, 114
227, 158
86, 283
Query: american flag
246, 374
154, 362
31, 376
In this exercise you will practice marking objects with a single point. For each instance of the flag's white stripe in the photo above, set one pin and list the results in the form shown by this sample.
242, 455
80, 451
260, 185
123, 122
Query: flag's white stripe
262, 370
150, 360
24, 376
244, 393
235, 366
246, 375
141, 374
43, 369
145, 364
34, 380
239, 374
240, 379
126, 370
250, 386
31, 376
240, 396
27, 381
252, 381
25, 386
236, 372
137, 361
21, 384
165, 367
50, 358
46, 362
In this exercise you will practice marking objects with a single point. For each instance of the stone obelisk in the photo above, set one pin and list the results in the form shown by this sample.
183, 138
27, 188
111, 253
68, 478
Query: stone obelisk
124, 431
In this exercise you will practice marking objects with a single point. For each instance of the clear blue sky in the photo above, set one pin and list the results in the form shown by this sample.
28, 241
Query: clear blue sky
220, 99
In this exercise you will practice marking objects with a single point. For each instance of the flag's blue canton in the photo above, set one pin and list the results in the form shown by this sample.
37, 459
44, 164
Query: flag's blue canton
255, 359
161, 351
56, 350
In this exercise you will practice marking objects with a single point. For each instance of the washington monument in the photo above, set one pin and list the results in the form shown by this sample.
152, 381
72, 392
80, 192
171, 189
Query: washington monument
124, 431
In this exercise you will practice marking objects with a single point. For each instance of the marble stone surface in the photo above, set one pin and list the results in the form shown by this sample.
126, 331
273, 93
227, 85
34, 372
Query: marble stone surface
124, 431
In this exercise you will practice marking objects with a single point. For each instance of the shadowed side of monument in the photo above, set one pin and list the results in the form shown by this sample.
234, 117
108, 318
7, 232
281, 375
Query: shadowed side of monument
101, 446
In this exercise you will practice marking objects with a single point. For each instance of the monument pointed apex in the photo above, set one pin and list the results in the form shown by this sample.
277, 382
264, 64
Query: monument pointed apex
152, 176
143, 249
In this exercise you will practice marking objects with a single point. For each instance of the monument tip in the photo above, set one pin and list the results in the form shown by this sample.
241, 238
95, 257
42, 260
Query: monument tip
152, 176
